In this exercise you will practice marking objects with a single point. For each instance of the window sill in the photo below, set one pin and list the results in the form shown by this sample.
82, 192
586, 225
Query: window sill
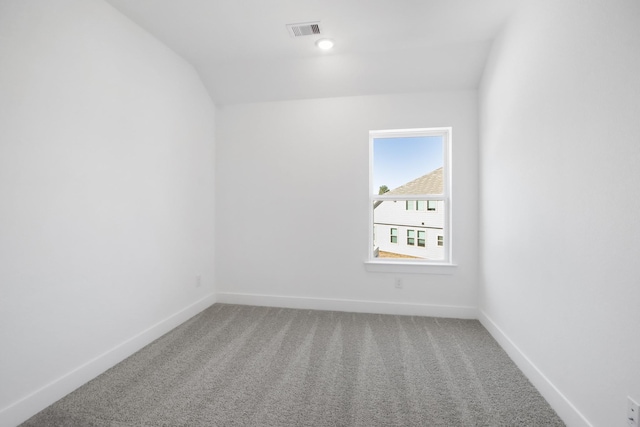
409, 267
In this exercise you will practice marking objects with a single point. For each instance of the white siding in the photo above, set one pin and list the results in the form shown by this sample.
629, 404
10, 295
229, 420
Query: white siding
393, 214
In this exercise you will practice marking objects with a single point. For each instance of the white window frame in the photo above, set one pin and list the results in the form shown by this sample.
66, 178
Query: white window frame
392, 265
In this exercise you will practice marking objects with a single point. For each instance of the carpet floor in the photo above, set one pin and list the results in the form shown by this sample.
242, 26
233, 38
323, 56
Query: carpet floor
235, 365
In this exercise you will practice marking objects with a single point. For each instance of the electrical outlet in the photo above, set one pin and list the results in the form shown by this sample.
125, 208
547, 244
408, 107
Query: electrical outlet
632, 412
398, 283
198, 281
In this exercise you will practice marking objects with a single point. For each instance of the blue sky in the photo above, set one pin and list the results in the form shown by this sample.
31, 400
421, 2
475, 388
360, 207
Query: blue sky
397, 161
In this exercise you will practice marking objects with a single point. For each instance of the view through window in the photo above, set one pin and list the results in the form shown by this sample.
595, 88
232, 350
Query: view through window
410, 200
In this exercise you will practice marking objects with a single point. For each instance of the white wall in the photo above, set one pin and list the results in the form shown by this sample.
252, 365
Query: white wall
560, 205
106, 195
292, 197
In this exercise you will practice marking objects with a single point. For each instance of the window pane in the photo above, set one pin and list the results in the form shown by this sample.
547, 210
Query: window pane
411, 234
405, 234
408, 165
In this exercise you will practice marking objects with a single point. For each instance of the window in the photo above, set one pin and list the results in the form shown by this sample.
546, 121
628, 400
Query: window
410, 187
419, 205
411, 237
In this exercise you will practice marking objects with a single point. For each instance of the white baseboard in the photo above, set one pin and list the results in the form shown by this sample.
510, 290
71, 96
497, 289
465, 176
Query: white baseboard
33, 403
355, 306
558, 401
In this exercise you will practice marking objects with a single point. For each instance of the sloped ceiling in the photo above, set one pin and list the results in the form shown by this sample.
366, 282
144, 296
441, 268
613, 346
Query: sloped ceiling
243, 52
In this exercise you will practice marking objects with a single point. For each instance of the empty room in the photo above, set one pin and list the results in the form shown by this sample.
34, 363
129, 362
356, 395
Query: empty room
319, 213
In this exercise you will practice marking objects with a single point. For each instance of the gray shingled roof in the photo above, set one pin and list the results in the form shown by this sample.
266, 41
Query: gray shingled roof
430, 183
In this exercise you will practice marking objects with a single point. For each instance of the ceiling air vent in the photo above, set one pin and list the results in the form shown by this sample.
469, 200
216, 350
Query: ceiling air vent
304, 29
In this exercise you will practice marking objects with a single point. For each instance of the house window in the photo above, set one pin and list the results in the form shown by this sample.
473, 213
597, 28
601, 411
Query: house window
411, 237
418, 205
413, 168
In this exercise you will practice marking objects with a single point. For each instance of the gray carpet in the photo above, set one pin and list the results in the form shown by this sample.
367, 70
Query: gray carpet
237, 365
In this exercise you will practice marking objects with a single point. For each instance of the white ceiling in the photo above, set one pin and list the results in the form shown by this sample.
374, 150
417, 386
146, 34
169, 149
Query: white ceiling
243, 52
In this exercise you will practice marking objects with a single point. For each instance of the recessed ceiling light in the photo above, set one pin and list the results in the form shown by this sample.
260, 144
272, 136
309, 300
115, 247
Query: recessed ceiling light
324, 44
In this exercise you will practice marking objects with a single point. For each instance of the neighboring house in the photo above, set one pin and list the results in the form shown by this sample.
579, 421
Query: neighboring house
411, 228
